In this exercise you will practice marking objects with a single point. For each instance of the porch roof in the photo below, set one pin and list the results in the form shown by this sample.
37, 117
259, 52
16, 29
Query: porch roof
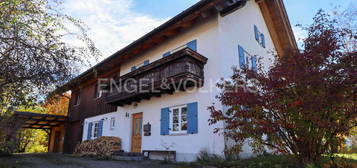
39, 121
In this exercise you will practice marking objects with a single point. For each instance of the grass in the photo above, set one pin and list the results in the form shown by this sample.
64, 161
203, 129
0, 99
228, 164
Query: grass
267, 161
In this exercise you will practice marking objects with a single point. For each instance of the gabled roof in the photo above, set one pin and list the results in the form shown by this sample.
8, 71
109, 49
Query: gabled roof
184, 20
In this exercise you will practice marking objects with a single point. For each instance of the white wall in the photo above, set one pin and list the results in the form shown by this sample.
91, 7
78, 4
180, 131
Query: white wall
236, 29
217, 39
186, 146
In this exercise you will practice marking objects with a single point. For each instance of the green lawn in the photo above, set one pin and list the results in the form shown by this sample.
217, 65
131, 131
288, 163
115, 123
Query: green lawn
268, 161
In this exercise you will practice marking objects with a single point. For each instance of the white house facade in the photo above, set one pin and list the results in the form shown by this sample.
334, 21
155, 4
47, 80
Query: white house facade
179, 121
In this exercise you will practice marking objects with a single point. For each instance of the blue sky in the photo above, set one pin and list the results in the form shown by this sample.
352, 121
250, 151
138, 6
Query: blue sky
116, 23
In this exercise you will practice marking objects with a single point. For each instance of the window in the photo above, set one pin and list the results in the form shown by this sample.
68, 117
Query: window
146, 62
112, 123
259, 37
166, 54
95, 129
178, 119
133, 68
246, 60
98, 92
192, 45
77, 100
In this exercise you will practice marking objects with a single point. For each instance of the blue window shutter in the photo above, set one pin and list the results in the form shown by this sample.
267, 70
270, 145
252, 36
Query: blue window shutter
166, 54
256, 33
193, 45
254, 63
192, 118
146, 62
241, 57
89, 132
262, 40
133, 68
100, 128
165, 121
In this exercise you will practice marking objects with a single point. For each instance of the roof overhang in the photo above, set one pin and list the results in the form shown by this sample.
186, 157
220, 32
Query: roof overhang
277, 20
39, 121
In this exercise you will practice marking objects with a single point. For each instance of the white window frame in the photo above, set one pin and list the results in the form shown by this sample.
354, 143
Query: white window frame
248, 59
78, 99
99, 92
112, 123
180, 120
95, 129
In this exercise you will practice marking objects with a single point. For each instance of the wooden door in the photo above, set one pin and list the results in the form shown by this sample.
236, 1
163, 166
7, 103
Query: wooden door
56, 145
136, 132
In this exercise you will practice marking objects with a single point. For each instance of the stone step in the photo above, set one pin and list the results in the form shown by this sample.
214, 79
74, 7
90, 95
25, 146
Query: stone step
122, 153
132, 158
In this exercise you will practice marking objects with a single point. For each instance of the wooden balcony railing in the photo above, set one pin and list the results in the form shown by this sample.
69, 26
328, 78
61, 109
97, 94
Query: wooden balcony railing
176, 72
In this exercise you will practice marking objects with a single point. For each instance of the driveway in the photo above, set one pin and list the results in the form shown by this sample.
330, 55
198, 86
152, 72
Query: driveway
68, 161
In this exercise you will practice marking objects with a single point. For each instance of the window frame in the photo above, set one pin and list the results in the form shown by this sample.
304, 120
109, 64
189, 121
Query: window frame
95, 129
180, 131
112, 123
98, 92
77, 100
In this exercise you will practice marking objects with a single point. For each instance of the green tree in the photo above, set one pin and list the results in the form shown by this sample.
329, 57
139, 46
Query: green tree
35, 57
33, 53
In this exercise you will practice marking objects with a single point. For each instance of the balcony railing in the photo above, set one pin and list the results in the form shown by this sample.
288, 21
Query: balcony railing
177, 72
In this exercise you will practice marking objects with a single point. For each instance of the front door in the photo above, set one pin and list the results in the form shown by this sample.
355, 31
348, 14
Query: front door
136, 132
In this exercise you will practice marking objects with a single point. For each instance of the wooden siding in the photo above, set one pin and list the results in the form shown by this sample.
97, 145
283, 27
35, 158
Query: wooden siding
88, 105
73, 135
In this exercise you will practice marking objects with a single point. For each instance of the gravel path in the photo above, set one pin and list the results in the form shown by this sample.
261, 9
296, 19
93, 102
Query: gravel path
68, 161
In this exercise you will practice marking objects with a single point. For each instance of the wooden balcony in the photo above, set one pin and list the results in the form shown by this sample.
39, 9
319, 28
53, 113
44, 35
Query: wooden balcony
176, 72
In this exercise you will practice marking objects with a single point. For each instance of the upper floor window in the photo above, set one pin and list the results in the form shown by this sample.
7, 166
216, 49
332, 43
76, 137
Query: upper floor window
259, 37
98, 91
146, 62
246, 60
192, 45
77, 99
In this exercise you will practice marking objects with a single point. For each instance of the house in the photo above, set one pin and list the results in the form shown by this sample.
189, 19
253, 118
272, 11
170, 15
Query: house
154, 93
